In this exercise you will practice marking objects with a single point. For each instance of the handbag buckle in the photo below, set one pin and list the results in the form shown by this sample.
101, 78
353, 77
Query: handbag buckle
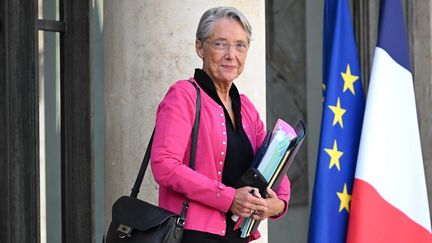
181, 222
182, 218
124, 231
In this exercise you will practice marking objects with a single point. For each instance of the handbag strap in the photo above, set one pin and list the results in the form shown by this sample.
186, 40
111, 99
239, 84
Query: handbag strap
146, 159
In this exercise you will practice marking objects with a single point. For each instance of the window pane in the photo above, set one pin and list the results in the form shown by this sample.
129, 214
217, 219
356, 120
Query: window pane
49, 122
48, 9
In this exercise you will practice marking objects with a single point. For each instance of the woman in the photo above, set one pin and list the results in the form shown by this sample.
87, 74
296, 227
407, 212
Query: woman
230, 132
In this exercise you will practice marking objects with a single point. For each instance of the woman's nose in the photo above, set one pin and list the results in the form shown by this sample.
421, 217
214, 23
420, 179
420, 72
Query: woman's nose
230, 52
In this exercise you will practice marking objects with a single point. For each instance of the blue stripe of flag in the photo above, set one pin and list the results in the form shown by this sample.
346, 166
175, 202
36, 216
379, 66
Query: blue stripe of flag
392, 36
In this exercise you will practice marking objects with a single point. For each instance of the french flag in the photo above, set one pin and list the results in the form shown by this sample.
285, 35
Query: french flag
389, 201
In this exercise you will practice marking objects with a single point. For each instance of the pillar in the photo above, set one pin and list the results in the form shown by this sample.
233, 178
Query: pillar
420, 30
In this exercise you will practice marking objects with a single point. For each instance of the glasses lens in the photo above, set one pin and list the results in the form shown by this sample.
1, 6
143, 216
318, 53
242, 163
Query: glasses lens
219, 45
241, 47
223, 46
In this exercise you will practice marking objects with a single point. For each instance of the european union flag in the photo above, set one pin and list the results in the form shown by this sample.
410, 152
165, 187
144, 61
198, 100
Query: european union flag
342, 117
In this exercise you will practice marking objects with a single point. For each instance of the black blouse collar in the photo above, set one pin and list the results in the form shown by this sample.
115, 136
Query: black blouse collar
206, 84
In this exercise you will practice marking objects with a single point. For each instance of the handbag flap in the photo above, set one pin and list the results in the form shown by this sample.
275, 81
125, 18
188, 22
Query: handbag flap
138, 214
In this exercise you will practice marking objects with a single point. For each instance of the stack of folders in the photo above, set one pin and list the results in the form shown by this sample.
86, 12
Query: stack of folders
271, 163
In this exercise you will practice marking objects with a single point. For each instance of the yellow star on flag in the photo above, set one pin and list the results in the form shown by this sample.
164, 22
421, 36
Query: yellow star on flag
344, 198
338, 113
349, 80
335, 155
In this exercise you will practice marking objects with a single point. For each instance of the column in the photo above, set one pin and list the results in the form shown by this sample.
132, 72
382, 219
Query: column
420, 30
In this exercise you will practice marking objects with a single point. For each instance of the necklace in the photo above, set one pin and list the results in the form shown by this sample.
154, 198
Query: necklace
229, 106
231, 112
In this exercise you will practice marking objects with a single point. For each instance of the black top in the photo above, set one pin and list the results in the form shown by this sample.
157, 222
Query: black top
239, 154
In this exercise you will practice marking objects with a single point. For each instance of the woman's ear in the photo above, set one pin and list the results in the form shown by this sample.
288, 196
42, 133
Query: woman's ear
199, 48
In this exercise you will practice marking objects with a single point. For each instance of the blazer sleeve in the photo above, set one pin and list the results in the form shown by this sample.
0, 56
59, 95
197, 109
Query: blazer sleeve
283, 192
169, 158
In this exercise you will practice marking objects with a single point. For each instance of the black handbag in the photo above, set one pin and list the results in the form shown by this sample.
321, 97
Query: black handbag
137, 221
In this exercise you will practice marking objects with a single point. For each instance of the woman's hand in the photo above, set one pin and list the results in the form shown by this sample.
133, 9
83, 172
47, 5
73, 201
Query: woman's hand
248, 201
274, 206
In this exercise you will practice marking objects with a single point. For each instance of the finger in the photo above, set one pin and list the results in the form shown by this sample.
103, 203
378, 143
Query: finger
256, 207
255, 192
258, 201
246, 191
271, 193
242, 196
247, 212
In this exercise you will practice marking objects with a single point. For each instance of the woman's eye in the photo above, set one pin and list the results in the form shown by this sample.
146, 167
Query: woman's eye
241, 45
219, 44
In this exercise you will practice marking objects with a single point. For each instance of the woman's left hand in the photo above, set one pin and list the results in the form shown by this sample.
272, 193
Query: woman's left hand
274, 206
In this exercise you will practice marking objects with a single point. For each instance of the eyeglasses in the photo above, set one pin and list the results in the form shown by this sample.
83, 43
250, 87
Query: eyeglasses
223, 46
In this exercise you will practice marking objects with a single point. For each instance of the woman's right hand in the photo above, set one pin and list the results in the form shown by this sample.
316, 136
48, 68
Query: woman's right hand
247, 200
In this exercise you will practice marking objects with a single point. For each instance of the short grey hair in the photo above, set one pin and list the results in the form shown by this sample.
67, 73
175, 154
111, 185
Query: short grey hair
205, 26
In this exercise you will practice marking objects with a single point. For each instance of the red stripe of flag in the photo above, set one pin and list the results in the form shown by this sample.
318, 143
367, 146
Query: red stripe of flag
372, 219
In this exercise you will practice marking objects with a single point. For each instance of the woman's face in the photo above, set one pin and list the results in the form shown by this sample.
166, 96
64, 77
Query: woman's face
224, 52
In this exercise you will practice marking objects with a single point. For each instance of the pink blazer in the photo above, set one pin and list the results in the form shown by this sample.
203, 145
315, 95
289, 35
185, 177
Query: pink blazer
209, 199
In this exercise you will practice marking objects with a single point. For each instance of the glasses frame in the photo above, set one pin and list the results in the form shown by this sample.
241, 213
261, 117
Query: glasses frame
225, 47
